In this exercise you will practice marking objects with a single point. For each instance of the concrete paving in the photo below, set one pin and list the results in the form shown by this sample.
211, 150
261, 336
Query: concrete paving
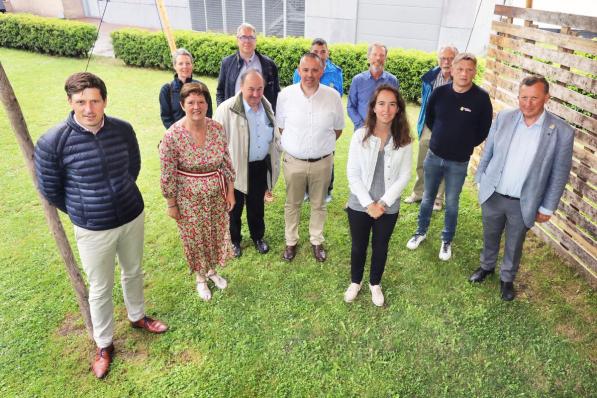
103, 45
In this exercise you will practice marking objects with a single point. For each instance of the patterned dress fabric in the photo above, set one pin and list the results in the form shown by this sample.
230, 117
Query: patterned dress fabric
204, 221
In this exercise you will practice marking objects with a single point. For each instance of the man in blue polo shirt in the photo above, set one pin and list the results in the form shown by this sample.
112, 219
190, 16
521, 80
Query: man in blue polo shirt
332, 74
332, 77
364, 83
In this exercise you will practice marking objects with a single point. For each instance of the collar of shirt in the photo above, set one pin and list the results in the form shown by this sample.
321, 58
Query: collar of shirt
249, 109
85, 128
538, 122
312, 95
250, 60
383, 75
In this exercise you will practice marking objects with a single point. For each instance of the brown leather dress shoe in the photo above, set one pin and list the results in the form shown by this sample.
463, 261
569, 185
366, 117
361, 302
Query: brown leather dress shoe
289, 253
319, 253
150, 324
102, 361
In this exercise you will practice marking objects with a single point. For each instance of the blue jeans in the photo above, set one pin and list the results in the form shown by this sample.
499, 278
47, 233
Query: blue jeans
453, 173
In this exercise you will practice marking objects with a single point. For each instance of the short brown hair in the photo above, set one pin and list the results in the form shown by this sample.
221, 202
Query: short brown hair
465, 57
78, 82
193, 88
534, 79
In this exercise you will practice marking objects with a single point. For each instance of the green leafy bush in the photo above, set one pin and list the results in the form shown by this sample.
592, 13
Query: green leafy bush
149, 49
46, 35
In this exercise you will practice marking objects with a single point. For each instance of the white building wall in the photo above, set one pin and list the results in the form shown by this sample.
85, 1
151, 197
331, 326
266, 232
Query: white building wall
333, 20
142, 13
419, 24
400, 23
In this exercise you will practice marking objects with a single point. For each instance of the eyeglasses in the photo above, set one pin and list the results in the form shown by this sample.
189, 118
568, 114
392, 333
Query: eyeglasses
246, 38
449, 59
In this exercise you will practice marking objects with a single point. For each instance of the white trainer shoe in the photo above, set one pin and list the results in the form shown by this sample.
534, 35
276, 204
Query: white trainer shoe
203, 290
352, 292
445, 252
218, 281
412, 198
415, 241
376, 295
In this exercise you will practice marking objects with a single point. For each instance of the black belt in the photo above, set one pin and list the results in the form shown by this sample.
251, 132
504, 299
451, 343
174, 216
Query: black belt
507, 196
311, 160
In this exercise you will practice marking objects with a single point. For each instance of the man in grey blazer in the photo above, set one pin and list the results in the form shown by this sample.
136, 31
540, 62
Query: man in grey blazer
522, 174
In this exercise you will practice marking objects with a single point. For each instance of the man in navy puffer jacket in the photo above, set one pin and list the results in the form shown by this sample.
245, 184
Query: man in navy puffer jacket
87, 167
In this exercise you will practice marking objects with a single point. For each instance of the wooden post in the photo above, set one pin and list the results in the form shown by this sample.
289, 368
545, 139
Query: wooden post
15, 115
529, 4
166, 25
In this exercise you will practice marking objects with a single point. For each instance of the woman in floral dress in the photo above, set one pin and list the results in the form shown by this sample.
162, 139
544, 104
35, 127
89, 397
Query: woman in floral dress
197, 181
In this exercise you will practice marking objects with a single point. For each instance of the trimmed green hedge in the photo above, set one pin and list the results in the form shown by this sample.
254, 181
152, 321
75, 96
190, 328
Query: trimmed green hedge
149, 49
46, 35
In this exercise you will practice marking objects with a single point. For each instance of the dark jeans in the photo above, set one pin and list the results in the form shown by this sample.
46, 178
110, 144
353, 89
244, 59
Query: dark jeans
454, 174
361, 225
257, 174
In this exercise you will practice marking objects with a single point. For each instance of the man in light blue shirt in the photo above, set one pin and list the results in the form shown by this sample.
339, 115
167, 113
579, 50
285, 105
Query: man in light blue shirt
332, 74
522, 174
365, 83
253, 142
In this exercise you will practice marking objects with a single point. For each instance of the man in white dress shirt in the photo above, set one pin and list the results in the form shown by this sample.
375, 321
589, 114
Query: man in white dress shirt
310, 118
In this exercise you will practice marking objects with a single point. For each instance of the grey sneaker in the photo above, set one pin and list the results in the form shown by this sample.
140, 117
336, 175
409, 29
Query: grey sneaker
376, 295
415, 241
445, 252
352, 292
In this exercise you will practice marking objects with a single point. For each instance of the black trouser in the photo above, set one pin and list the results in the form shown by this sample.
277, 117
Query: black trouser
361, 225
257, 186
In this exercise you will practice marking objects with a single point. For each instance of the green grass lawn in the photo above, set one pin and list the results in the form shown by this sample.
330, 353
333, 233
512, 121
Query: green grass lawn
279, 330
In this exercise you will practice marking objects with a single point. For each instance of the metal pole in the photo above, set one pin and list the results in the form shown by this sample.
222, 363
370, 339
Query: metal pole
15, 115
263, 17
166, 25
224, 16
284, 16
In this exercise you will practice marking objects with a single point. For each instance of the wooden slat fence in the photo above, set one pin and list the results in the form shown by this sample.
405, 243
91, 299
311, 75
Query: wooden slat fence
517, 48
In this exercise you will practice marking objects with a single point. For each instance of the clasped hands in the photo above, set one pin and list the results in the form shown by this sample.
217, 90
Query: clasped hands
376, 210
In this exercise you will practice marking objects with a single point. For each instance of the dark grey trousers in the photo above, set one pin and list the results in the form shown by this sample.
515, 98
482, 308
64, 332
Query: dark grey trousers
499, 214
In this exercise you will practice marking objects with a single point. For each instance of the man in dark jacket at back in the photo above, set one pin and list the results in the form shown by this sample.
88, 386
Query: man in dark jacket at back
247, 58
87, 167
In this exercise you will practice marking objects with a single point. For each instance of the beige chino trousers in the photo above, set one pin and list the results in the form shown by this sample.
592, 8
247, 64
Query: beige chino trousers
300, 174
98, 251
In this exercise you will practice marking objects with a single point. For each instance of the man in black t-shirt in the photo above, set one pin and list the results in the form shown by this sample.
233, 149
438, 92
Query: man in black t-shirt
459, 117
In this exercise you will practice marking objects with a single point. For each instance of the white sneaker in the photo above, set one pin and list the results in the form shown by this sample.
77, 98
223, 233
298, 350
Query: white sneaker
376, 295
203, 290
412, 198
351, 292
328, 198
415, 241
446, 251
218, 281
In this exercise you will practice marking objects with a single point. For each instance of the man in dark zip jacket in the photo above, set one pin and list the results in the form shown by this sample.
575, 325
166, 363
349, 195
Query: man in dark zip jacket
87, 166
247, 58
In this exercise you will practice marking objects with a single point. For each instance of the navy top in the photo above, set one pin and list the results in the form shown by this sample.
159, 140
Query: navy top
458, 121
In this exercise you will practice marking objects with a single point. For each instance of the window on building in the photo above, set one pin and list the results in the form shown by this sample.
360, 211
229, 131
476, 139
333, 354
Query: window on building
270, 17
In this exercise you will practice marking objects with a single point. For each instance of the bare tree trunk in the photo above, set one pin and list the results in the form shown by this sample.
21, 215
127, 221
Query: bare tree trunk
13, 110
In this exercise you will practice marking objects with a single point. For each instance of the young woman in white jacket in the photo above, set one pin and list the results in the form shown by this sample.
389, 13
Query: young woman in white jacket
378, 170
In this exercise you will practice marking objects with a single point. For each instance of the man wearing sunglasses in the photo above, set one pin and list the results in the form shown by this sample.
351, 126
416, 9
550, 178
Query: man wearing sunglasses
247, 58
